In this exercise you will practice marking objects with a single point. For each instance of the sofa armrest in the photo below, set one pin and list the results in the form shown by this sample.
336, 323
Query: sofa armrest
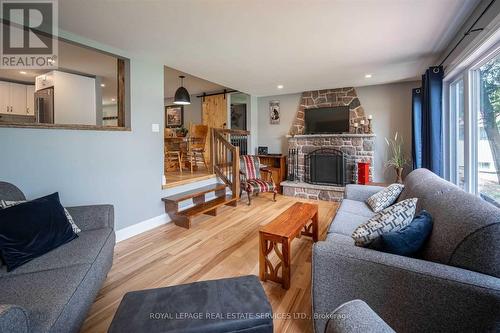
360, 192
411, 295
93, 217
356, 316
13, 319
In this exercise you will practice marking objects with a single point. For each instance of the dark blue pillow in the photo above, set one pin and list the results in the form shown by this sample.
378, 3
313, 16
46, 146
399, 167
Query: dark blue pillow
31, 229
407, 241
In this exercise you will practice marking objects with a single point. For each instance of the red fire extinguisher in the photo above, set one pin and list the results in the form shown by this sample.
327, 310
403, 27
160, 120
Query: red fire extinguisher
363, 172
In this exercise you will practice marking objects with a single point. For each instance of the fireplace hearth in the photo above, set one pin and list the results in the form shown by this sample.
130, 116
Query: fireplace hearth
325, 166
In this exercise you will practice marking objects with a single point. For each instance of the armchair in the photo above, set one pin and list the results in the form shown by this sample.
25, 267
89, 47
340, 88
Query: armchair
251, 180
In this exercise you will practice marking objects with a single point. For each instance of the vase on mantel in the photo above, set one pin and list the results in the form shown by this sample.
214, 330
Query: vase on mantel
399, 175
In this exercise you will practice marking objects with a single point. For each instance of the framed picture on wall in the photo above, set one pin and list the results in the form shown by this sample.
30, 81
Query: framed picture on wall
174, 116
274, 112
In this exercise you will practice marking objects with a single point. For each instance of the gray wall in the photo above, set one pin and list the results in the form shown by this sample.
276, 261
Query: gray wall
89, 167
192, 112
390, 105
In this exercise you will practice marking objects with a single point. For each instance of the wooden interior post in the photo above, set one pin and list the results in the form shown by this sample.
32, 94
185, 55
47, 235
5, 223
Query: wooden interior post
236, 173
120, 100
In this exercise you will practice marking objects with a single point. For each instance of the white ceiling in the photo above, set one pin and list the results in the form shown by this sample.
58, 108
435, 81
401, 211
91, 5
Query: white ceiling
255, 45
193, 84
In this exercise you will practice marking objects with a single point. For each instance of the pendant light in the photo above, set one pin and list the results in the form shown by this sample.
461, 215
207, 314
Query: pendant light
182, 95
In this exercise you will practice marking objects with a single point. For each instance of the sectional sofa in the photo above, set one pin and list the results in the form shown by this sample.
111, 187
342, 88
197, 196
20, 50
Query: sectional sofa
453, 286
54, 292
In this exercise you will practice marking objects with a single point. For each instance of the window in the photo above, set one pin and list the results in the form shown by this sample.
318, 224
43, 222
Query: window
457, 108
487, 98
473, 135
85, 88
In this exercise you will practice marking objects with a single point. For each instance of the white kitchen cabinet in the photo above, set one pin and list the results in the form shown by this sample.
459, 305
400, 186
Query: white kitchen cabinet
30, 100
18, 99
4, 97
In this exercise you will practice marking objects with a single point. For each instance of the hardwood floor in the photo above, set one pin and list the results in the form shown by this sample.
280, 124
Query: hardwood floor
175, 178
215, 247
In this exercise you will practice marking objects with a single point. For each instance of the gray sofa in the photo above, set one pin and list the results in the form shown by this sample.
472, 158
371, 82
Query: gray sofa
454, 287
54, 292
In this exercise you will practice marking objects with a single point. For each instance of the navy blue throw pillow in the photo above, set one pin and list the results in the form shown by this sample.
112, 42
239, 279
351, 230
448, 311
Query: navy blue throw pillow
407, 241
31, 229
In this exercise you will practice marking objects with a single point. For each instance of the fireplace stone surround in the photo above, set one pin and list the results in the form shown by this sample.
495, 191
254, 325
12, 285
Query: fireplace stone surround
356, 147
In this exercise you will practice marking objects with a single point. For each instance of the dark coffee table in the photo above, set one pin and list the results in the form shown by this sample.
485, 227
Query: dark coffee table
217, 306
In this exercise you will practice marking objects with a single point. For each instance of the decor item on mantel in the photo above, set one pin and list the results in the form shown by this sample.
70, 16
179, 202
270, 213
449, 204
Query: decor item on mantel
274, 112
398, 159
364, 126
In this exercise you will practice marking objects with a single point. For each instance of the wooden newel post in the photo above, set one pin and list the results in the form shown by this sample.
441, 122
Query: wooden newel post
236, 173
212, 148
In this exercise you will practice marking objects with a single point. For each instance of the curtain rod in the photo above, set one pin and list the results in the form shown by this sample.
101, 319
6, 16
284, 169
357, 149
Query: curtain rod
468, 32
219, 93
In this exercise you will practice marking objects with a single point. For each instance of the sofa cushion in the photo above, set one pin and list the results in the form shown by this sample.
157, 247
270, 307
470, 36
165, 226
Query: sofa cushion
31, 229
465, 231
392, 218
10, 192
82, 250
43, 294
339, 238
385, 197
344, 222
407, 241
356, 207
6, 204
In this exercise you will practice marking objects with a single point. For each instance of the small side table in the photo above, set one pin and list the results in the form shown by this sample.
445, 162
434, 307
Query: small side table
300, 219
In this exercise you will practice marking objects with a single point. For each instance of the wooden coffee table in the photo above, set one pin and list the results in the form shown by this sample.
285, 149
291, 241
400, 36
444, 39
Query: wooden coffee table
300, 219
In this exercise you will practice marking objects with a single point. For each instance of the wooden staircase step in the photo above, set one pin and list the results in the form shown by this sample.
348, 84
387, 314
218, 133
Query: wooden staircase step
207, 206
184, 217
176, 198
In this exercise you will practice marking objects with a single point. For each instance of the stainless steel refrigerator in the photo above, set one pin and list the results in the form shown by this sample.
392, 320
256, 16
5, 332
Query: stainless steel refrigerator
44, 106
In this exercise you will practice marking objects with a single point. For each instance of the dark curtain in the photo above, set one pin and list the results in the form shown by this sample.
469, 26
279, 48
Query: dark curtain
427, 122
416, 121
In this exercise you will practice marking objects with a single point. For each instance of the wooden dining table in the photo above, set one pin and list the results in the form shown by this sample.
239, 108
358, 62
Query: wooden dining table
183, 146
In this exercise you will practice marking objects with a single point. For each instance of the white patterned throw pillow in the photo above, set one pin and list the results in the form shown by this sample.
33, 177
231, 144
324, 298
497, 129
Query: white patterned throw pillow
7, 204
385, 198
393, 218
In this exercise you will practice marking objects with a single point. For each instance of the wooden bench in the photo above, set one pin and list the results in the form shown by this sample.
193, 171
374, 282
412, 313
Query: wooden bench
300, 219
184, 217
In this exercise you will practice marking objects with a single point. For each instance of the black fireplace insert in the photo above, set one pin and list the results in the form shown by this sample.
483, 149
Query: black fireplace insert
325, 166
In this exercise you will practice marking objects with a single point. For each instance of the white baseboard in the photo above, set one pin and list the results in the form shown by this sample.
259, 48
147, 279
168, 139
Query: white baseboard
159, 220
141, 227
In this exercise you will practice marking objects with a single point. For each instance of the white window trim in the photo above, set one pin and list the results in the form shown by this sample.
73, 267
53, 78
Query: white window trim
470, 76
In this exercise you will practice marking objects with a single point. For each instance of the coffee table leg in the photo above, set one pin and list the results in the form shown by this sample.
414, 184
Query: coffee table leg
315, 227
262, 257
286, 263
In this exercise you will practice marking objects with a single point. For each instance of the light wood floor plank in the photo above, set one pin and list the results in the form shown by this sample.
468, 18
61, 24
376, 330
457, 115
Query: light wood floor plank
215, 247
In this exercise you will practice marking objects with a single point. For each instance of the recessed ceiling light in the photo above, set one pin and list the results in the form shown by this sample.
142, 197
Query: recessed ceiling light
113, 100
103, 85
23, 72
368, 76
280, 86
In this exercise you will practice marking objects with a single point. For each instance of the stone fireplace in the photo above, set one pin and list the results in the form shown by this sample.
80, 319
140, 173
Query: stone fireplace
355, 147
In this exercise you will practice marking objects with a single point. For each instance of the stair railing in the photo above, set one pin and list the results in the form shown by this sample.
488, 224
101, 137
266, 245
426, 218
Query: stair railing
226, 147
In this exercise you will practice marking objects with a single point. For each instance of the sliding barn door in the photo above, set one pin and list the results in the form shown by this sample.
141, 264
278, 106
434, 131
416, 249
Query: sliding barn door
214, 115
